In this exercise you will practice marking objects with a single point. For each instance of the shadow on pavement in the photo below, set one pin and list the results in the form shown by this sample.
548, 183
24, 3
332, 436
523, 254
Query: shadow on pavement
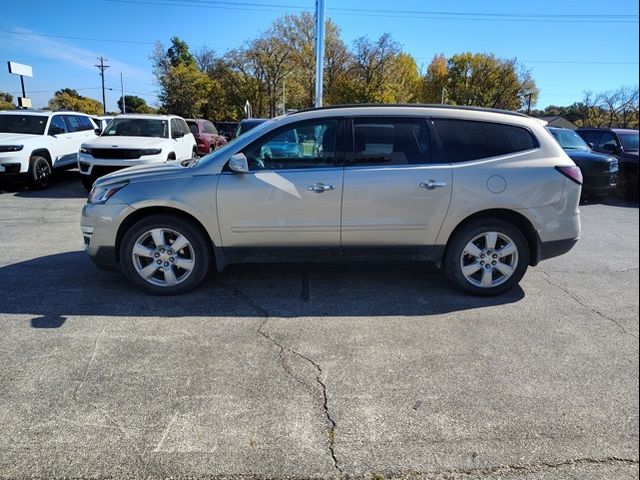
64, 184
57, 286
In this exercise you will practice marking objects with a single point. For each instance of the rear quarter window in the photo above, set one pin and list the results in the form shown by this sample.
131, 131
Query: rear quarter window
466, 140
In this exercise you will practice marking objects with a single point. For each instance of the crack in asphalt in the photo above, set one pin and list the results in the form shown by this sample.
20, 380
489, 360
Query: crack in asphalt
500, 470
331, 423
546, 276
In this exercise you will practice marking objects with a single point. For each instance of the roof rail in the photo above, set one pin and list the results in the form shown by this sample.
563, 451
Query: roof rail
416, 105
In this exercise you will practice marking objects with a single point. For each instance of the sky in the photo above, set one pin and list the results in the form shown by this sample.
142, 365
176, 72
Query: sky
569, 46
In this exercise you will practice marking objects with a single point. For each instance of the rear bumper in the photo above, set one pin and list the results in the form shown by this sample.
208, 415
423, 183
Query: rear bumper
555, 248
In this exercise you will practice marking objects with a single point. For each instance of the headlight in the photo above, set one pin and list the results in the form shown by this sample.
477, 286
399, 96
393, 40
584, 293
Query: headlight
85, 150
10, 148
101, 193
151, 151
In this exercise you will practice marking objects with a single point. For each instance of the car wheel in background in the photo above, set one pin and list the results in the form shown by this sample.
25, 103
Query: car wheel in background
40, 172
165, 254
486, 257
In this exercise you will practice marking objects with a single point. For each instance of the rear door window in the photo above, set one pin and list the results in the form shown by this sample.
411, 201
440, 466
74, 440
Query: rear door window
380, 141
466, 140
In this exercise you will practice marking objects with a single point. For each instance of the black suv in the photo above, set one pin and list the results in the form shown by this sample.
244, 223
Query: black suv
623, 143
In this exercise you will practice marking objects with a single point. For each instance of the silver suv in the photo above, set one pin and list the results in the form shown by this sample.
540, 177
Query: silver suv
481, 193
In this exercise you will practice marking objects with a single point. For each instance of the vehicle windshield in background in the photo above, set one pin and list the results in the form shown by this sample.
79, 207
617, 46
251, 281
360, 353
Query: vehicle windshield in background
193, 126
247, 125
629, 141
569, 139
28, 124
137, 127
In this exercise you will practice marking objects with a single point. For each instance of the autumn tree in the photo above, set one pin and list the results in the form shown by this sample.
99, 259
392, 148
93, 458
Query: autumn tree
6, 101
481, 80
70, 99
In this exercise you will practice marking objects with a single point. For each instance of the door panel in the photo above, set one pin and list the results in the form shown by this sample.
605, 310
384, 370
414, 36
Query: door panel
275, 208
386, 206
393, 194
61, 149
292, 195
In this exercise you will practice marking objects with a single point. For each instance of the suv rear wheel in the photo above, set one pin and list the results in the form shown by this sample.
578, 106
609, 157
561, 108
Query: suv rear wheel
165, 254
487, 257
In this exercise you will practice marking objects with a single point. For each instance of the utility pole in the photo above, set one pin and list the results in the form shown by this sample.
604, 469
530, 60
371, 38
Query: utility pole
320, 10
529, 103
102, 68
124, 105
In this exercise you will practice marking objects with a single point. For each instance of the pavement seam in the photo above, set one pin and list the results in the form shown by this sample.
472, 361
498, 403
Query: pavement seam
89, 363
546, 276
332, 425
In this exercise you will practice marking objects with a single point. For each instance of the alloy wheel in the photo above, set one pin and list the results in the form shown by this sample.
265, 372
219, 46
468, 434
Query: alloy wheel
489, 259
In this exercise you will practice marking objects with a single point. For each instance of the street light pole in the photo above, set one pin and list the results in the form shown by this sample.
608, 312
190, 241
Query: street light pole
320, 10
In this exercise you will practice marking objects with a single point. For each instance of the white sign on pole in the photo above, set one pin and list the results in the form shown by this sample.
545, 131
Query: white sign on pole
20, 69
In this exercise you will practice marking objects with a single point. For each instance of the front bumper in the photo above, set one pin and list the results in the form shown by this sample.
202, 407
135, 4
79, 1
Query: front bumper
99, 225
96, 167
12, 164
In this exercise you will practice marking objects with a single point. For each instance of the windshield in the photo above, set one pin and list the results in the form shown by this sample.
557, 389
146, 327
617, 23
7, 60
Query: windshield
570, 140
629, 141
29, 124
137, 127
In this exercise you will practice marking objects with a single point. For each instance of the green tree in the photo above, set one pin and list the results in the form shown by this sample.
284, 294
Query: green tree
6, 101
134, 104
70, 99
184, 88
481, 80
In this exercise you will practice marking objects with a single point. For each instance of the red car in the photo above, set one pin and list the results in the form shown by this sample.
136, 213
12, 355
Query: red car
207, 137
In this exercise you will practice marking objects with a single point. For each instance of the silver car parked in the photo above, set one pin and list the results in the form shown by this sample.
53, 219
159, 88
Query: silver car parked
481, 193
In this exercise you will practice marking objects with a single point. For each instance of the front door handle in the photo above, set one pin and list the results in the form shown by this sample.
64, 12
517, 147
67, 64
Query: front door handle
320, 187
432, 184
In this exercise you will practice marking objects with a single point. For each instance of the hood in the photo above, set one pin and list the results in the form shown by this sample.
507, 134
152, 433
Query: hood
114, 141
588, 155
141, 173
16, 138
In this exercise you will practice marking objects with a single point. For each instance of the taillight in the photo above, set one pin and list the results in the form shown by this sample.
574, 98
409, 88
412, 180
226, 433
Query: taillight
572, 173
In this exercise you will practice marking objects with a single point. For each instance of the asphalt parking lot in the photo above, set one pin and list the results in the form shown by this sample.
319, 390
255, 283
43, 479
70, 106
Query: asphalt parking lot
314, 371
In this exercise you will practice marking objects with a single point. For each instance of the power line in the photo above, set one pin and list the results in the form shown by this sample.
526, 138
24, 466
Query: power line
76, 38
423, 14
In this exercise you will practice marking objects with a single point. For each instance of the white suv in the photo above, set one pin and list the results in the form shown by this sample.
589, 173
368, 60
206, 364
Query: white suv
135, 139
32, 143
481, 193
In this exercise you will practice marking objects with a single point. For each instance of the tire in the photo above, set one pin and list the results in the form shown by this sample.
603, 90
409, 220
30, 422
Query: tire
166, 277
40, 173
477, 233
87, 182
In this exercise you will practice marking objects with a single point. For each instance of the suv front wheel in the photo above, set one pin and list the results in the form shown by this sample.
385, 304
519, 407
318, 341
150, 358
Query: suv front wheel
487, 257
165, 254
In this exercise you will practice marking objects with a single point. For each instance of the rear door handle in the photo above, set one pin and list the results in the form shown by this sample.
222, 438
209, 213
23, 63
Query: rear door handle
320, 187
432, 184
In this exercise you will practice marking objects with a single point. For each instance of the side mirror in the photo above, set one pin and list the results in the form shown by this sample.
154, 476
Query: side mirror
177, 135
53, 130
591, 145
611, 148
238, 163
97, 131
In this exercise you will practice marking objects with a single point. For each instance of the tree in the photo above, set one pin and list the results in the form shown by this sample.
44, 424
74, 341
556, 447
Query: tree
6, 101
378, 72
134, 104
184, 89
481, 80
69, 99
